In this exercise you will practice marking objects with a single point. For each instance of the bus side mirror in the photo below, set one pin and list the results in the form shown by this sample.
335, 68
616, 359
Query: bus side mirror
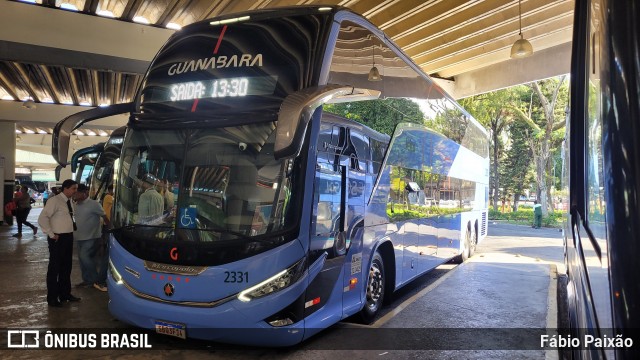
412, 187
57, 171
296, 112
64, 128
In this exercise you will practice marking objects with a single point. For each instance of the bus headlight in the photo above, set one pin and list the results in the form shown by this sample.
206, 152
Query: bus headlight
114, 273
275, 283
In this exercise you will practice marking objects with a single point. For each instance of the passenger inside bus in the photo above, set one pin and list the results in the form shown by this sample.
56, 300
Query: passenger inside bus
151, 202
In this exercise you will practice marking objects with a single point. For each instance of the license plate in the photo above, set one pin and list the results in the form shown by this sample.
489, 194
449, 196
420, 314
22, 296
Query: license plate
171, 329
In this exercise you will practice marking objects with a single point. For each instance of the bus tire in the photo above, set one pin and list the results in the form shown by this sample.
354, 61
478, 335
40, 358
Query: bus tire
473, 241
465, 250
374, 296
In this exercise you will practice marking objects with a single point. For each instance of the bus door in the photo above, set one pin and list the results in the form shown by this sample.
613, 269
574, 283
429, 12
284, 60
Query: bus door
327, 236
353, 225
358, 167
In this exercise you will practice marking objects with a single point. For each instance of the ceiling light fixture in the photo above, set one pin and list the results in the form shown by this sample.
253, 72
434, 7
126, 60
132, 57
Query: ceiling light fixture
174, 26
140, 20
374, 73
521, 48
29, 104
105, 13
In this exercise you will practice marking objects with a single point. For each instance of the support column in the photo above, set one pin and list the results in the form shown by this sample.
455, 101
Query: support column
8, 163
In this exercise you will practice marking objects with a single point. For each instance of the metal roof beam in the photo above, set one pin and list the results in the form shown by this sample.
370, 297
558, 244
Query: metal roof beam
40, 35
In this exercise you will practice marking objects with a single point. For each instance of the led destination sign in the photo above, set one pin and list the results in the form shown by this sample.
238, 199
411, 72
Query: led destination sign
222, 88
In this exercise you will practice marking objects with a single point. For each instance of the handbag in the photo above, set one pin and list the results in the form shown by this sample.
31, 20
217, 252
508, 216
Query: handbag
10, 208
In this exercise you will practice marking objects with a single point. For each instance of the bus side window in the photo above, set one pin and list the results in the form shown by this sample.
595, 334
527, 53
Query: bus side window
326, 210
329, 138
378, 149
331, 143
361, 144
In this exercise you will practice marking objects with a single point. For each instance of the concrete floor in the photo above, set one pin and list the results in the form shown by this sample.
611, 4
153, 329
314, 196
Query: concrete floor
496, 305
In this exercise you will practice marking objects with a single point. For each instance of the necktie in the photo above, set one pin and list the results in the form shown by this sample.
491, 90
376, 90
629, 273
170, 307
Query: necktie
71, 214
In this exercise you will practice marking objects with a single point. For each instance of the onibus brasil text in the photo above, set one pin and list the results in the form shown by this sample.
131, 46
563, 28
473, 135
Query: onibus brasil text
32, 339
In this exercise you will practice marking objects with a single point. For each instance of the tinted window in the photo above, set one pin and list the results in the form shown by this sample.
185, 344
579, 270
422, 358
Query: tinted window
360, 144
378, 149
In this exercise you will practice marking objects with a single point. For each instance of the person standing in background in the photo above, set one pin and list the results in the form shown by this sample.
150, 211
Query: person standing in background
537, 215
88, 236
45, 197
103, 248
167, 194
151, 202
23, 202
107, 202
57, 221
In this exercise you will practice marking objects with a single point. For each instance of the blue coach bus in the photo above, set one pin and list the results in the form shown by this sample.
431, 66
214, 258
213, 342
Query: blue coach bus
95, 165
106, 165
243, 203
83, 162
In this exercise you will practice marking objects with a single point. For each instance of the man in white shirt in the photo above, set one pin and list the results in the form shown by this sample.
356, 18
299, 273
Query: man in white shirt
57, 221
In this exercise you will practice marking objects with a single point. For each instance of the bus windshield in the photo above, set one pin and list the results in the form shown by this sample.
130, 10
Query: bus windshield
205, 188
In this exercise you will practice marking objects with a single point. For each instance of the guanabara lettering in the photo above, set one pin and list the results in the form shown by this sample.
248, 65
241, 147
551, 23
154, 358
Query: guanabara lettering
216, 62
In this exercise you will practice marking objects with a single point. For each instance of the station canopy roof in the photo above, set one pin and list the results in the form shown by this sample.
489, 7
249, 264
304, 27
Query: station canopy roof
87, 53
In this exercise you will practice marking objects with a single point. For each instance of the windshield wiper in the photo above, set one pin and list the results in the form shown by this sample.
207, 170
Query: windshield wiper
132, 227
238, 234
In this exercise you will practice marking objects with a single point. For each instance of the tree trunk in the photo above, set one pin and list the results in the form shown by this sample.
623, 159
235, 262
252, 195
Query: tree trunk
543, 155
541, 179
550, 184
494, 169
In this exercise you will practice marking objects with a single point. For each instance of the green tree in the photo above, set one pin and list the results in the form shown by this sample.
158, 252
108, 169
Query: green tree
546, 118
517, 163
490, 110
380, 115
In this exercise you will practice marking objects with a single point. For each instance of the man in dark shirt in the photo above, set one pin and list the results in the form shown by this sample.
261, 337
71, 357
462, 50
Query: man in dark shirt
23, 203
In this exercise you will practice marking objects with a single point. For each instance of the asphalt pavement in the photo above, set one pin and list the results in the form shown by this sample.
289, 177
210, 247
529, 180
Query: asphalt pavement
492, 306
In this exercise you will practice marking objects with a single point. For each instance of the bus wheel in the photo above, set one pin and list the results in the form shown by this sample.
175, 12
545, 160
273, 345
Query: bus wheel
375, 290
466, 249
473, 241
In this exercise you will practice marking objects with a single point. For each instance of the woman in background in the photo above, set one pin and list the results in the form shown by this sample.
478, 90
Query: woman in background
23, 201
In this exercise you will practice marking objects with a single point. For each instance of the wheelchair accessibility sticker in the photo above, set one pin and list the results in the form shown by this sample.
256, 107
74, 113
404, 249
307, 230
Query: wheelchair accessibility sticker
188, 217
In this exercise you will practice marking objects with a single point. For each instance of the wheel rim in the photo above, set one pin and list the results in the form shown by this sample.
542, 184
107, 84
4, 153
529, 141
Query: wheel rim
467, 245
472, 242
375, 287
